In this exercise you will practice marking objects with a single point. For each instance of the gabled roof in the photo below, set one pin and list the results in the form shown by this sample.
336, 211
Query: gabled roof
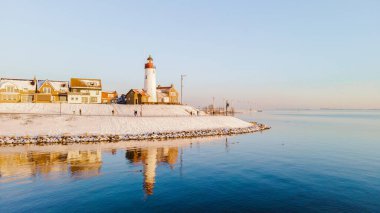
20, 83
61, 86
86, 83
164, 89
139, 91
2, 83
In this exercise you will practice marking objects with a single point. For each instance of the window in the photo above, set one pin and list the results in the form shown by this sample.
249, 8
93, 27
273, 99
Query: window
46, 90
97, 92
84, 100
94, 99
10, 89
72, 98
146, 77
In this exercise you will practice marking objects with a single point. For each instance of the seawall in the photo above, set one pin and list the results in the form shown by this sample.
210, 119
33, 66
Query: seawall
42, 126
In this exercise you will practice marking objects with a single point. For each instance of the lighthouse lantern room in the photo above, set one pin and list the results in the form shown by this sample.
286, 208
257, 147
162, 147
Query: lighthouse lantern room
150, 80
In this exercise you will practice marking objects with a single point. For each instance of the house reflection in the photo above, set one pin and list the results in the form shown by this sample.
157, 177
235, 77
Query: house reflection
80, 164
84, 163
150, 158
19, 166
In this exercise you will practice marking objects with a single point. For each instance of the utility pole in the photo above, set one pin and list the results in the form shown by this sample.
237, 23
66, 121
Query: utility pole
182, 76
227, 105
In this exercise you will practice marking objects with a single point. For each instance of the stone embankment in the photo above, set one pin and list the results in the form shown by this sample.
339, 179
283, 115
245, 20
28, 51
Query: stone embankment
66, 139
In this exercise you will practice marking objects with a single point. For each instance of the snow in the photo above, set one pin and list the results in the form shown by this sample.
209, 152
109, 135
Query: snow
21, 84
62, 86
37, 125
41, 119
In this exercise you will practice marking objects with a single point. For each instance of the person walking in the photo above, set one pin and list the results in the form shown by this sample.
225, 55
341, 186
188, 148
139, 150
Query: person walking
80, 111
135, 113
113, 112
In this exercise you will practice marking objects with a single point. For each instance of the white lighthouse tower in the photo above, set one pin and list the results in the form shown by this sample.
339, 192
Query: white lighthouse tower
150, 80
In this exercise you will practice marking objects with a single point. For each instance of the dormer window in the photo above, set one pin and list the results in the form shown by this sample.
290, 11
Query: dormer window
10, 88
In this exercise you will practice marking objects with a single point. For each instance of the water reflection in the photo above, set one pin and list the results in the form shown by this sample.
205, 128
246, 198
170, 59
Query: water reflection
84, 163
150, 158
21, 165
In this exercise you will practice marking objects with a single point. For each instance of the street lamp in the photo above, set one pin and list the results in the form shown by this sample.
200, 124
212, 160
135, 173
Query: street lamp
182, 76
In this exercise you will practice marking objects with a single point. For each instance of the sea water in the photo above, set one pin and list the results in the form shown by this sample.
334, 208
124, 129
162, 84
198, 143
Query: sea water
310, 161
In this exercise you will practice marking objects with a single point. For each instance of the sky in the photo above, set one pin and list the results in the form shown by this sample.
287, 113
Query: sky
271, 54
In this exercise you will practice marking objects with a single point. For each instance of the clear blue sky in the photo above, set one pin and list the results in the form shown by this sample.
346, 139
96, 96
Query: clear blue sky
274, 54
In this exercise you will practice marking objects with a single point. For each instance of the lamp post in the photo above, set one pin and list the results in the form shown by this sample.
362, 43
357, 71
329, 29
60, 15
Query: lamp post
213, 105
182, 76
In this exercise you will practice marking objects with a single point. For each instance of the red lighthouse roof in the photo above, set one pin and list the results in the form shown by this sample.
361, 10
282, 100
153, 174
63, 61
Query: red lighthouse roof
149, 64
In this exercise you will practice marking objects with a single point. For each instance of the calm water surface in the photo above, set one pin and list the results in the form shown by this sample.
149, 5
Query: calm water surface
314, 161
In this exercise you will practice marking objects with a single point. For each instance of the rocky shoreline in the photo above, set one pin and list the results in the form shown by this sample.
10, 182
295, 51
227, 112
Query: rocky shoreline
67, 139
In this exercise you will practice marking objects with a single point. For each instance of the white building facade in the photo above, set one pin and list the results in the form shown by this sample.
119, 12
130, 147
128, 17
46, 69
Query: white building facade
85, 91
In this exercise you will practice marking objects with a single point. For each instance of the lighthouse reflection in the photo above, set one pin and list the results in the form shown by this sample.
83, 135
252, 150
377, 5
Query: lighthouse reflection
150, 158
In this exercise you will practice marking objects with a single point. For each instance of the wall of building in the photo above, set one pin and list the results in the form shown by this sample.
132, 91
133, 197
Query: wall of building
150, 84
85, 96
74, 98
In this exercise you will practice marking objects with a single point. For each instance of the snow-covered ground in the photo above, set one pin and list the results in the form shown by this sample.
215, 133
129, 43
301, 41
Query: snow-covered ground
96, 109
54, 123
37, 124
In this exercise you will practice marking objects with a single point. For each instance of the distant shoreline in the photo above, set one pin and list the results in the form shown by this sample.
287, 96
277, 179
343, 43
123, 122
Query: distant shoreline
324, 109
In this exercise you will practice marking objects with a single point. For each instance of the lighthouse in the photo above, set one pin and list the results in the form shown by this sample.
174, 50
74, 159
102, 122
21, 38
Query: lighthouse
150, 80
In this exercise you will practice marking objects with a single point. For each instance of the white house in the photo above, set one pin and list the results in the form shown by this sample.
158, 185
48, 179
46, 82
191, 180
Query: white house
85, 91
